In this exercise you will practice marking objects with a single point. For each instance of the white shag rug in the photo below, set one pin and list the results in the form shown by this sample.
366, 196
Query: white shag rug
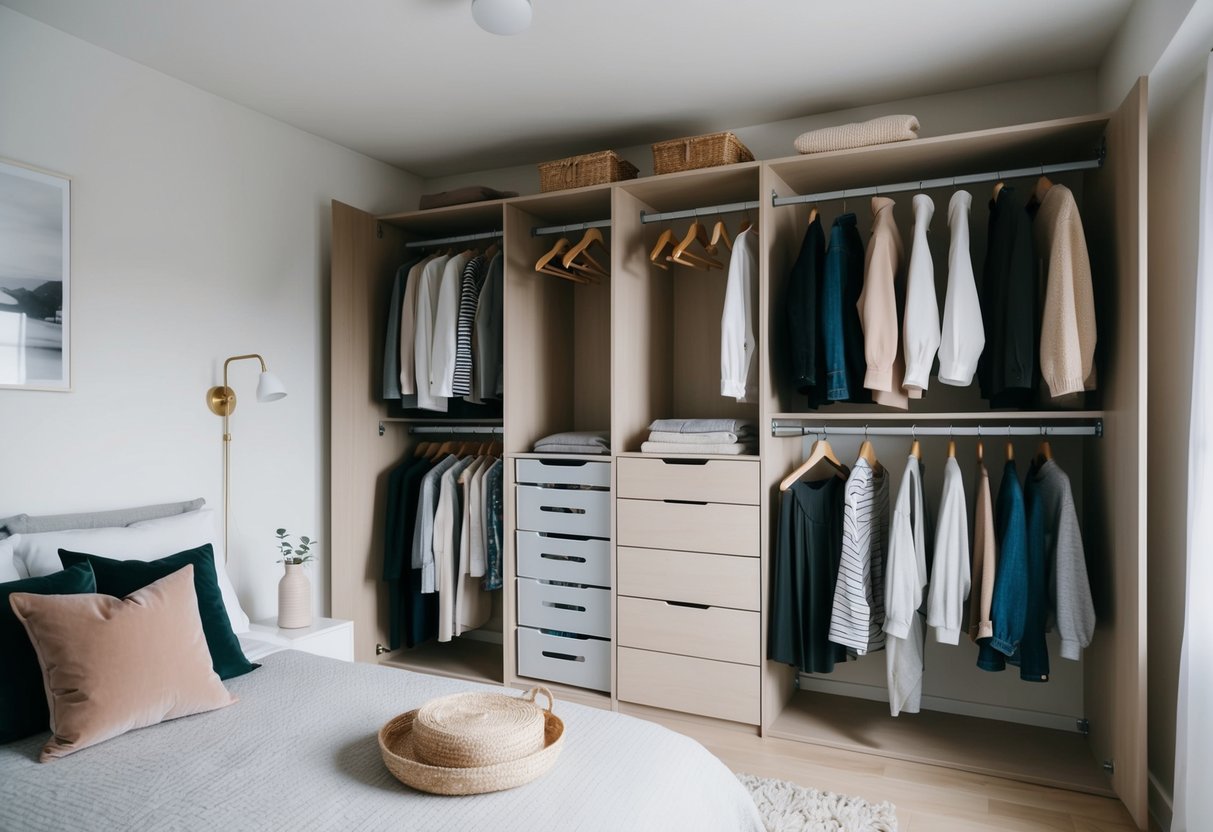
787, 807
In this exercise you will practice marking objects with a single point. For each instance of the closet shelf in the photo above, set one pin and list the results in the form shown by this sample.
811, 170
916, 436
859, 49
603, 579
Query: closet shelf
461, 658
1011, 416
642, 455
585, 457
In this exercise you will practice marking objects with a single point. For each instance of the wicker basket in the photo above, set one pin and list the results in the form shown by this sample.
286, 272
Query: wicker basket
699, 152
587, 169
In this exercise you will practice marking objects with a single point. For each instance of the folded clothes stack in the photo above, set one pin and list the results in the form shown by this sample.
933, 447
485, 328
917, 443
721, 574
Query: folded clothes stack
575, 442
701, 436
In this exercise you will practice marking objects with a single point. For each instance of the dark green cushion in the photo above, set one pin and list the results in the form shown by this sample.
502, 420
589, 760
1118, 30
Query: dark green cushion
23, 710
122, 577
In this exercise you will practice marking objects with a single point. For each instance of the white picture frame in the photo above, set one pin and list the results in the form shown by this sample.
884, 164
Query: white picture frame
35, 279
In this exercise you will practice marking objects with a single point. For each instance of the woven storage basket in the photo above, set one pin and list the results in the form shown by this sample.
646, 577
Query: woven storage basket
699, 152
587, 169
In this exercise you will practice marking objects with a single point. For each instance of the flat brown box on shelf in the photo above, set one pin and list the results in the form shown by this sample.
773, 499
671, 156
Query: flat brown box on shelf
588, 169
695, 152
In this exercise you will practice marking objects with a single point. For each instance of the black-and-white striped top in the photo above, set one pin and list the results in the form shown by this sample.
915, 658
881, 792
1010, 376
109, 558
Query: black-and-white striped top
857, 619
473, 279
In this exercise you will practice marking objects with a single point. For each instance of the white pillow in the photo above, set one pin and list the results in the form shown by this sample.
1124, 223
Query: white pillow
38, 554
8, 564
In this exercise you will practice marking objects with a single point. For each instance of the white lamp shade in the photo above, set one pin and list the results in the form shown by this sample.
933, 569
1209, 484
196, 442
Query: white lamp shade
502, 17
270, 388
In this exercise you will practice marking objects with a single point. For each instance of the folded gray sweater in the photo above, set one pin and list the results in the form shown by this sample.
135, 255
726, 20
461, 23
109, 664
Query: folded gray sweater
741, 427
597, 441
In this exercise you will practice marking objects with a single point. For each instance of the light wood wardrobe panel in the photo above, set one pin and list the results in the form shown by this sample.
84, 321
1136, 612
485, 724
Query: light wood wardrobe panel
1114, 217
365, 254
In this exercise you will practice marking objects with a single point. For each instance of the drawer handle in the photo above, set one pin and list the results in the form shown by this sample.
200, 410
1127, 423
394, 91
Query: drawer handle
564, 657
687, 502
684, 461
562, 509
688, 604
563, 463
559, 606
569, 558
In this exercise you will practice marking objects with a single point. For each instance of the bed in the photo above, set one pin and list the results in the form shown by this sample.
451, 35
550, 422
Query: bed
299, 751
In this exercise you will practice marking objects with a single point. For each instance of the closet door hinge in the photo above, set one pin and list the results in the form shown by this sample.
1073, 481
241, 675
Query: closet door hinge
1084, 727
380, 650
1109, 766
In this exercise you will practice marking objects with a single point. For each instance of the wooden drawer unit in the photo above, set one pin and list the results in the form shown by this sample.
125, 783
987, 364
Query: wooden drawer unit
689, 527
569, 609
563, 472
699, 480
694, 577
564, 511
699, 686
705, 632
584, 662
569, 559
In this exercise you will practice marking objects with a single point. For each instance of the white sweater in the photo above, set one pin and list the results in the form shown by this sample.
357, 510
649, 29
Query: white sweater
905, 580
950, 566
737, 376
920, 321
964, 334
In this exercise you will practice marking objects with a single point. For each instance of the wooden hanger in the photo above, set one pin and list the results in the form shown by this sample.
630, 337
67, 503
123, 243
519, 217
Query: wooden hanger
998, 186
1044, 451
544, 263
491, 250
951, 448
745, 224
1010, 450
592, 237
447, 447
657, 254
696, 233
812, 215
1042, 187
720, 233
916, 450
981, 449
868, 454
821, 452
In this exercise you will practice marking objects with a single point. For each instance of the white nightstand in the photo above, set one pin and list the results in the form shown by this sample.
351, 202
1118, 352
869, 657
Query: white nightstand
331, 637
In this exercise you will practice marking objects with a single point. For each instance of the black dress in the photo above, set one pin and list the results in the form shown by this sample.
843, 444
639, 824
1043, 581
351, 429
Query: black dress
806, 566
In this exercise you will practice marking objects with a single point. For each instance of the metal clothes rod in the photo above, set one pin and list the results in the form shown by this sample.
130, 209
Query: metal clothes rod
945, 182
564, 229
461, 238
495, 430
785, 428
709, 211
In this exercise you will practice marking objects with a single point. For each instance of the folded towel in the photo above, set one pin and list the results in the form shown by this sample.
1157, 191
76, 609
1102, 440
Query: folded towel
595, 438
572, 449
719, 437
858, 134
733, 448
460, 196
738, 426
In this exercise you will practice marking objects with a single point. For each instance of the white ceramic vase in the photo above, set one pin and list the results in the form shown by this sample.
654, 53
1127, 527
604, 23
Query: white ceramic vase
294, 598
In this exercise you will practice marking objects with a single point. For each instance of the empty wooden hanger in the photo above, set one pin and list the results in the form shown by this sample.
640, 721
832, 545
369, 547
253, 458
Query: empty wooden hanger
544, 264
657, 255
578, 257
720, 234
821, 453
683, 257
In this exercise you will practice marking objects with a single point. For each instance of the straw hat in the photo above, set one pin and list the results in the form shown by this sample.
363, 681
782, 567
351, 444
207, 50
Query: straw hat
472, 743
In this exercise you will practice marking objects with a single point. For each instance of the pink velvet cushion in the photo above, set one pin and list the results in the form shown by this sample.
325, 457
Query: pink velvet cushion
113, 665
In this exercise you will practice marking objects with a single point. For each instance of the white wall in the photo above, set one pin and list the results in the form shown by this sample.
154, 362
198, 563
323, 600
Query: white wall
996, 105
199, 230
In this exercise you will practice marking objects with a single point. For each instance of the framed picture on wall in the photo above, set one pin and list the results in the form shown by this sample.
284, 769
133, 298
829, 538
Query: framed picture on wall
35, 279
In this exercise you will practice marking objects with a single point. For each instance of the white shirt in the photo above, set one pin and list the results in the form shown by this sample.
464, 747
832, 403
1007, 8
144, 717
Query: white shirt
448, 518
857, 618
427, 309
473, 606
905, 580
950, 563
920, 323
737, 376
964, 335
444, 341
408, 330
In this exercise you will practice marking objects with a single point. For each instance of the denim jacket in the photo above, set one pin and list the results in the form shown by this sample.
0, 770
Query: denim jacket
1011, 581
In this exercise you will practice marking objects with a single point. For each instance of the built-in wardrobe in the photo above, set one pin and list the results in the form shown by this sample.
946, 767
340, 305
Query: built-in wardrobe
670, 565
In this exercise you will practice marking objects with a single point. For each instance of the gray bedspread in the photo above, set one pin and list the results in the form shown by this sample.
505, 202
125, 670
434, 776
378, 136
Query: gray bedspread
299, 752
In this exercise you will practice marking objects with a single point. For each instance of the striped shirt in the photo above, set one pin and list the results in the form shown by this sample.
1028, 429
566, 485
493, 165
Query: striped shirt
857, 621
473, 280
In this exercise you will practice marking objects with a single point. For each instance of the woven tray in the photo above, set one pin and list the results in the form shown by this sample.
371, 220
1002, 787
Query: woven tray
587, 169
699, 152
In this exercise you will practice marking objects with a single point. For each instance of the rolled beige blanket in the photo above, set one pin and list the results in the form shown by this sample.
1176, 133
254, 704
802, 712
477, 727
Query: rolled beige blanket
858, 134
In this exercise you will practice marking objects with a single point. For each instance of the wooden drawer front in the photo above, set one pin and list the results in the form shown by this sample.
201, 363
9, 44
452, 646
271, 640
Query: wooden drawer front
584, 662
569, 609
568, 559
563, 472
689, 527
704, 480
707, 632
696, 686
564, 511
694, 577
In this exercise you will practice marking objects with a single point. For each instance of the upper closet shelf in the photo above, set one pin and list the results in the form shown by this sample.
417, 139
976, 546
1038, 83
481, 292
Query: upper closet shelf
971, 416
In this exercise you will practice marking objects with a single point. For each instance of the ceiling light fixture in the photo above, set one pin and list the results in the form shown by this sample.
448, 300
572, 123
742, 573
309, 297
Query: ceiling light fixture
502, 17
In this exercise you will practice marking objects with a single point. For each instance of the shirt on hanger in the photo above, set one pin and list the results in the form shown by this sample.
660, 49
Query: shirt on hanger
473, 279
473, 606
842, 330
423, 534
806, 344
920, 320
1007, 367
905, 581
448, 522
493, 521
408, 332
857, 619
878, 307
391, 343
446, 327
737, 373
412, 616
1067, 329
1069, 587
1011, 581
950, 561
1032, 657
427, 310
984, 562
963, 336
487, 361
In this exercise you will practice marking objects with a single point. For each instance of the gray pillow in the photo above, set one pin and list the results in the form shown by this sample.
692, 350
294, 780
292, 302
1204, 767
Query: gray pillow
24, 524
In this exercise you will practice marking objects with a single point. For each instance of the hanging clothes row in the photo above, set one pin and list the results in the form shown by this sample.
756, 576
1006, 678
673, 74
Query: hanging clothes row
851, 577
863, 324
442, 540
444, 330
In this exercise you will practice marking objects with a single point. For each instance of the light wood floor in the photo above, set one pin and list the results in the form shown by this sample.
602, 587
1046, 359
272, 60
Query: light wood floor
928, 798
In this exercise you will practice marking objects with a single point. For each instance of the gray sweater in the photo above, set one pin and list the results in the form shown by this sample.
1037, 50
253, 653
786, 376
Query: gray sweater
1069, 589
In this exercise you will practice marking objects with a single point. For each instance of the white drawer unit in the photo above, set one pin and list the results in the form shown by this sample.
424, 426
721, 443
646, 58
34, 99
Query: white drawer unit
570, 609
569, 559
563, 472
574, 511
572, 660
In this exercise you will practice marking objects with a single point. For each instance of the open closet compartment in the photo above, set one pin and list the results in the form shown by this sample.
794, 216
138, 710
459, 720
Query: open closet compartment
667, 317
370, 436
971, 720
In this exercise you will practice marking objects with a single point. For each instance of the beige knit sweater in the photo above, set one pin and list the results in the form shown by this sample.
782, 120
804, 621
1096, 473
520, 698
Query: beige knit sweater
1067, 331
878, 315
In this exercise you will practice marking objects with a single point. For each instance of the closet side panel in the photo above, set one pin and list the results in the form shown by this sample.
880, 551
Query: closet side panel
365, 255
1114, 216
592, 356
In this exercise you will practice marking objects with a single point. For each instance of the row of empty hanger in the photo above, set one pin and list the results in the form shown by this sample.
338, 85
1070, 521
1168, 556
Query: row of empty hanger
576, 262
696, 248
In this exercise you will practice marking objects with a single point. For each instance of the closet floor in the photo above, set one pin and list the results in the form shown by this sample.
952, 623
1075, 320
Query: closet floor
461, 658
928, 798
